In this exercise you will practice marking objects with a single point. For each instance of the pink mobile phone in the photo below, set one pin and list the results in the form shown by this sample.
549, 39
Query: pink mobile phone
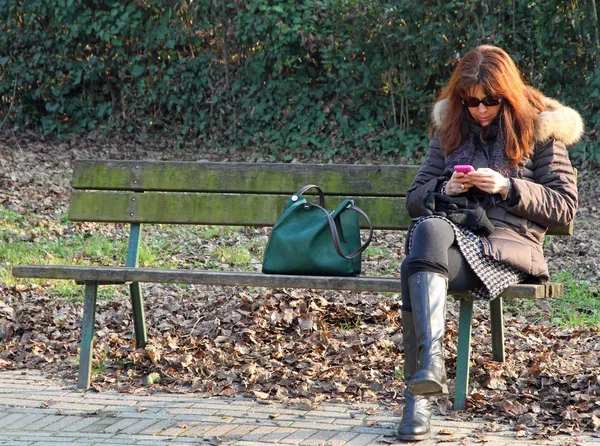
464, 168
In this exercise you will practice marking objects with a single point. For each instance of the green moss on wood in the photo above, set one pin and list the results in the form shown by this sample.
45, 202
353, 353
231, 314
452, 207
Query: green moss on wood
215, 209
353, 180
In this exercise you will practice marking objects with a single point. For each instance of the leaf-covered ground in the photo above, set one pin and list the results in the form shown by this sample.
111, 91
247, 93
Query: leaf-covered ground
298, 346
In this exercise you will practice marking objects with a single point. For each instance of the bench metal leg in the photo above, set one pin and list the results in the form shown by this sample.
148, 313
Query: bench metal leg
139, 318
464, 354
497, 323
87, 335
137, 300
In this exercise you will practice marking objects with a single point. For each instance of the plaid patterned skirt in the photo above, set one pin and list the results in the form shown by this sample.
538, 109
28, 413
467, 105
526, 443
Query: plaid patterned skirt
495, 275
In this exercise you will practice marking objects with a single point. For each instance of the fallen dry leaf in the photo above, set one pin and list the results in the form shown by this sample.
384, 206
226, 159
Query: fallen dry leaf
299, 347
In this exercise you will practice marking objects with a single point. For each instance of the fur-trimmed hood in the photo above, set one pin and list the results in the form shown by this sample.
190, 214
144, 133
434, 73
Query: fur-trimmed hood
558, 121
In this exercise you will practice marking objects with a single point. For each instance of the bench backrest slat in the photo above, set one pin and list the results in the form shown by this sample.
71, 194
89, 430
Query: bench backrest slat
215, 209
259, 178
245, 194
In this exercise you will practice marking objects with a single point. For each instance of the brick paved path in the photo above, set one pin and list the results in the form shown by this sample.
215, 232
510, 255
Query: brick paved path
37, 411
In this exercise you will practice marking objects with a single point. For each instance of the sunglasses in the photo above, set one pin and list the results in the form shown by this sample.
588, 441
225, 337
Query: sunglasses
488, 101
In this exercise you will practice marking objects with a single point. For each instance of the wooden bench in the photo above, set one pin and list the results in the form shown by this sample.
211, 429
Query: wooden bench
247, 194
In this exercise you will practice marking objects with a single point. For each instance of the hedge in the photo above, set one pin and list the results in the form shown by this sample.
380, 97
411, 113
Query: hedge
302, 76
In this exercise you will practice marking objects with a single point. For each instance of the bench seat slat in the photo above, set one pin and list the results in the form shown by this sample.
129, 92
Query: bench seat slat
225, 278
219, 209
563, 230
277, 178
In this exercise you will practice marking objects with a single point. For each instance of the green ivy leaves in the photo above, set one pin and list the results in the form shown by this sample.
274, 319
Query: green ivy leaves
329, 76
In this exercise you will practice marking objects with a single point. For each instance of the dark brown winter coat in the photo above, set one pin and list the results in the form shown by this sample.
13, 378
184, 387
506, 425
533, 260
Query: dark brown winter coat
544, 195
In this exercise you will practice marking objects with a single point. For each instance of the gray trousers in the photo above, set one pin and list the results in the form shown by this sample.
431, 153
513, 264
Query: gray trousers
434, 250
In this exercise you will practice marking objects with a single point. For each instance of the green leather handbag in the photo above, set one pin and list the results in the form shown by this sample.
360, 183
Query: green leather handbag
310, 240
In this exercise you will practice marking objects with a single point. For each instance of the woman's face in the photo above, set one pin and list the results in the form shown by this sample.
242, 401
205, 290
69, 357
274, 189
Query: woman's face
482, 114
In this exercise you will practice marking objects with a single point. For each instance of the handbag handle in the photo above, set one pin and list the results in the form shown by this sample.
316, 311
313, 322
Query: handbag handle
319, 190
336, 238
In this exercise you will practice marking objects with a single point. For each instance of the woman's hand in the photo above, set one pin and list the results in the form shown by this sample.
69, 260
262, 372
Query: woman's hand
488, 180
459, 183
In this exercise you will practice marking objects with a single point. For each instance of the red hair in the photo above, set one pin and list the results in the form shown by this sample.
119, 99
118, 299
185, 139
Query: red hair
492, 68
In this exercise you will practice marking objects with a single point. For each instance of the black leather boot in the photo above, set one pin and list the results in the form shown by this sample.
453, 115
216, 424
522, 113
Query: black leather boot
428, 299
416, 416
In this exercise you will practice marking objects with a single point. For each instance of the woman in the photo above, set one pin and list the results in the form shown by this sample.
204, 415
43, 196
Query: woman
479, 231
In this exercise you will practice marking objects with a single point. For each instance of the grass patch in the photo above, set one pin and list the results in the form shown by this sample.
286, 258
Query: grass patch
376, 251
9, 217
392, 268
350, 324
33, 240
70, 291
578, 307
398, 374
237, 255
218, 232
57, 250
388, 267
98, 249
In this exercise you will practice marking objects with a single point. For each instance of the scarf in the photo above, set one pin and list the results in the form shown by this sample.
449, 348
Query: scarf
498, 160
